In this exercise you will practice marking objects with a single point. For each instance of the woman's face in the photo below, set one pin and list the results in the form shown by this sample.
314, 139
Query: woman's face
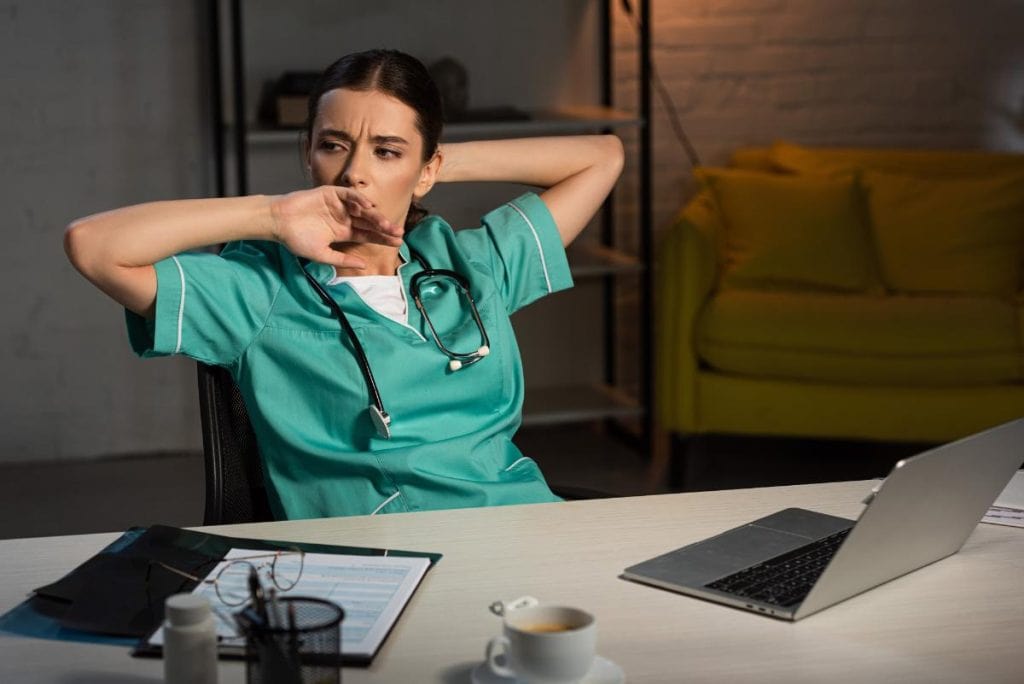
368, 141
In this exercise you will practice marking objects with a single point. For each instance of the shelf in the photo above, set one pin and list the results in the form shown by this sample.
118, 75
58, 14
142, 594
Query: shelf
588, 260
580, 119
564, 120
575, 404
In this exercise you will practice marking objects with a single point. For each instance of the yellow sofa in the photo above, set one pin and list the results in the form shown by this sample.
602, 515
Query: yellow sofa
845, 293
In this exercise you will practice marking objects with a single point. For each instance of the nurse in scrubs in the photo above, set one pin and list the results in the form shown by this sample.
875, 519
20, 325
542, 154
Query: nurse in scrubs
370, 340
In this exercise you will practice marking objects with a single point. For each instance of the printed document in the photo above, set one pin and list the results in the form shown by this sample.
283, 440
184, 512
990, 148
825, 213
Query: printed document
372, 590
1008, 508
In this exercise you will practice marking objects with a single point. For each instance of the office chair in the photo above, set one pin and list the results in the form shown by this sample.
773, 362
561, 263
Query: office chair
235, 491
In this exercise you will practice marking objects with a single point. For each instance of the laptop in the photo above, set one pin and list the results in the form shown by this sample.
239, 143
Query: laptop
796, 562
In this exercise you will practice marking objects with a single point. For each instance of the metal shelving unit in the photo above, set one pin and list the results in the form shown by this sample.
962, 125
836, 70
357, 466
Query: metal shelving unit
562, 121
603, 259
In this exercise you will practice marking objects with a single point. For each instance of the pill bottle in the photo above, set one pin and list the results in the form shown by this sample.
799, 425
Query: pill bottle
190, 641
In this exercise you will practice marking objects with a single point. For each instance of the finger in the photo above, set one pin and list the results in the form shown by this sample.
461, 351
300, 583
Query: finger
351, 195
367, 231
374, 220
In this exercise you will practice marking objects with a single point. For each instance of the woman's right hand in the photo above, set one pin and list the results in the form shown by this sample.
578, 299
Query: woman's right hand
116, 249
315, 224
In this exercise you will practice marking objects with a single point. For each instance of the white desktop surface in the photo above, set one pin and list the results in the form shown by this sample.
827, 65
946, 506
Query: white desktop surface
958, 620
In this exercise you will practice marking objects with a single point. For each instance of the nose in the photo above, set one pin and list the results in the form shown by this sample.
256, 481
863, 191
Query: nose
353, 175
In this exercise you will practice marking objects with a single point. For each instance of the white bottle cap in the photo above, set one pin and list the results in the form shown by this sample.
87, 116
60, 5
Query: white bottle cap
182, 610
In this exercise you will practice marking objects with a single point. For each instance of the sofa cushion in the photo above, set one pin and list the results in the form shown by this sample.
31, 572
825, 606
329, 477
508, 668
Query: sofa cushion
785, 231
753, 159
961, 235
838, 161
861, 339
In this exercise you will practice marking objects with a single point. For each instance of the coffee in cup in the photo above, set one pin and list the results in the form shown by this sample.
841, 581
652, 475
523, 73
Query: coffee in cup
544, 644
548, 627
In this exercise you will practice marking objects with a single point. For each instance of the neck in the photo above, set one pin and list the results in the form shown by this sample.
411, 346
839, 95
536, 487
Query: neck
380, 259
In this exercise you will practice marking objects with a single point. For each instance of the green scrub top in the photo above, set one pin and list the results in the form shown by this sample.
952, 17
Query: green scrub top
251, 310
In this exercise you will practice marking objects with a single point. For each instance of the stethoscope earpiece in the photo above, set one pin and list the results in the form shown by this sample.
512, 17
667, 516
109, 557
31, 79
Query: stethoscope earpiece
456, 364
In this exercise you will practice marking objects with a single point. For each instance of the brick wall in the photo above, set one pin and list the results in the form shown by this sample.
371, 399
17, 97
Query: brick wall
909, 73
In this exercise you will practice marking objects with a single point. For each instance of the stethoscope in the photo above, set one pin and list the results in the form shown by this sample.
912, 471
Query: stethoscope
456, 360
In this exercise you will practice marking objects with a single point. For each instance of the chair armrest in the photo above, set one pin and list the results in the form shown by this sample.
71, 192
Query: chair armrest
686, 274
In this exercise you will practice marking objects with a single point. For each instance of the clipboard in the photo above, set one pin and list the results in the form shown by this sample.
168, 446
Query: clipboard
115, 597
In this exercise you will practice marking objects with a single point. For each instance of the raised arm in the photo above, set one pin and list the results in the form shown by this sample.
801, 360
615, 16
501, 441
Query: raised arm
577, 172
116, 250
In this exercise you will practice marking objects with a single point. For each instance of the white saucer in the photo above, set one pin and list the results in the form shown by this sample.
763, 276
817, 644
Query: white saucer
603, 671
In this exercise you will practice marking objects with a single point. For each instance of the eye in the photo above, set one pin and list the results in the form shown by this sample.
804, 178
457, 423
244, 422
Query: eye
388, 153
331, 146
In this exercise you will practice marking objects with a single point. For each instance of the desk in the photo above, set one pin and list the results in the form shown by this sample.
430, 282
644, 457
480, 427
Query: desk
959, 620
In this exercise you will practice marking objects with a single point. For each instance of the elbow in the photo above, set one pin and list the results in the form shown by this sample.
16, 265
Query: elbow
78, 242
614, 153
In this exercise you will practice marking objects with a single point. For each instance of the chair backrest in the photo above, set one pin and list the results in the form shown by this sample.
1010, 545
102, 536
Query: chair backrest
235, 490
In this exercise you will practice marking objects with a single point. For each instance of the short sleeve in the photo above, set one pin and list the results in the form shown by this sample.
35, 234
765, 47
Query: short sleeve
526, 251
208, 306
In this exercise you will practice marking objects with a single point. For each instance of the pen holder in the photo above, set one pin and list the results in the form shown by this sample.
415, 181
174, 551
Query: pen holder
298, 641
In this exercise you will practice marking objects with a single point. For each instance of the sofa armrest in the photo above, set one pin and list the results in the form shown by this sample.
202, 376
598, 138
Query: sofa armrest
687, 270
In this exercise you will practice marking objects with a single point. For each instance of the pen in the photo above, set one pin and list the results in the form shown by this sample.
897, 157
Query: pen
293, 638
275, 612
256, 591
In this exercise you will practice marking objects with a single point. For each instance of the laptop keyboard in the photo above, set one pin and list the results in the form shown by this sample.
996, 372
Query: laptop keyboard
784, 580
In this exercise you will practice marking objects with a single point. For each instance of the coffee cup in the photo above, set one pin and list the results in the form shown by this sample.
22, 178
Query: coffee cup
544, 645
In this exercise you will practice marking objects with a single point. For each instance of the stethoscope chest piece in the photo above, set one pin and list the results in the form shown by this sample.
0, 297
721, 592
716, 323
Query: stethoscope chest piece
381, 421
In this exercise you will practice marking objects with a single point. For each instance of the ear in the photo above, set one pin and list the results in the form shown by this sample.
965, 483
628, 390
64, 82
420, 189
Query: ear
428, 175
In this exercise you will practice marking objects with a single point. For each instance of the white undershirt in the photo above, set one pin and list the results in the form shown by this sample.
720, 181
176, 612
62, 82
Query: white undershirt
384, 294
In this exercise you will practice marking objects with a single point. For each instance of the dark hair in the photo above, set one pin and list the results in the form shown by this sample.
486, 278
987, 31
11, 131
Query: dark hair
393, 73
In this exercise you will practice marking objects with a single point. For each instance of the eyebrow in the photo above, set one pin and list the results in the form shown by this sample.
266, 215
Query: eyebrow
379, 139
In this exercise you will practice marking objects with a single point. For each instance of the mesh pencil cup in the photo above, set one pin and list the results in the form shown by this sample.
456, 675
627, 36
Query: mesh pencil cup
297, 642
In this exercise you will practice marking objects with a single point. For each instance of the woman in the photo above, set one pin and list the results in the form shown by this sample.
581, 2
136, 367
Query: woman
341, 261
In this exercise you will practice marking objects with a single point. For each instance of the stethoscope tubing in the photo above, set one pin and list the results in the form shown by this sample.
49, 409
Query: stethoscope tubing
468, 358
364, 363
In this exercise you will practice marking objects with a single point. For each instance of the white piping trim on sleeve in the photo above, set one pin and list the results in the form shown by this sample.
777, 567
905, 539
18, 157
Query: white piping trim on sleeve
181, 304
385, 503
516, 462
543, 262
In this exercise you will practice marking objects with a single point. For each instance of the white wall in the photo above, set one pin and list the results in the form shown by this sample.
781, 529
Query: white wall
103, 104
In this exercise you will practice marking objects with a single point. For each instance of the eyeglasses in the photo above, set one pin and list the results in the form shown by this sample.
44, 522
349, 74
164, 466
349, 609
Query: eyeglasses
231, 583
